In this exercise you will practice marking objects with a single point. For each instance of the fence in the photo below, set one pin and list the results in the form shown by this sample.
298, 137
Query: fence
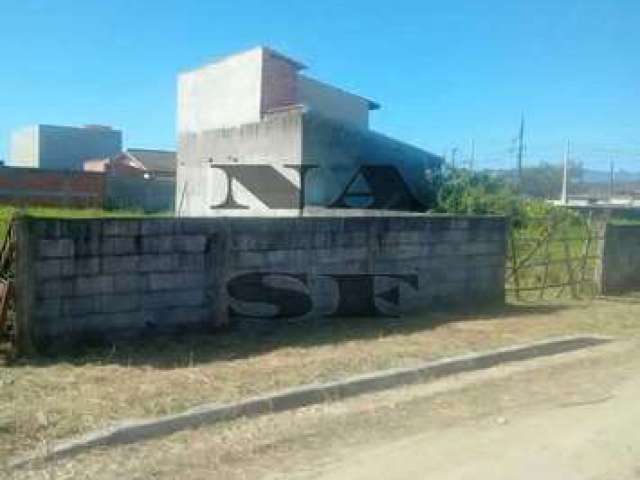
135, 193
25, 187
621, 259
555, 256
35, 186
100, 279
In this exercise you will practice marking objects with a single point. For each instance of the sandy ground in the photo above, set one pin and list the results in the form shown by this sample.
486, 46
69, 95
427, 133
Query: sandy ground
569, 416
594, 439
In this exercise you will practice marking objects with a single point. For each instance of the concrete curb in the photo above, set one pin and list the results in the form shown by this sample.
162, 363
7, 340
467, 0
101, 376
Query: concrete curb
134, 431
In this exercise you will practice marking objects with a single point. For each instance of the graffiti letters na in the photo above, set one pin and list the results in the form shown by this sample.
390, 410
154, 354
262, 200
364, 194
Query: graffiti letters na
384, 188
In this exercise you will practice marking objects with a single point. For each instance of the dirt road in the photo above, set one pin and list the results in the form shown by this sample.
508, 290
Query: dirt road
597, 438
587, 426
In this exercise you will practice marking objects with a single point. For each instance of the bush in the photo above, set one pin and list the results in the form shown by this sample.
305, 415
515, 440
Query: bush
465, 192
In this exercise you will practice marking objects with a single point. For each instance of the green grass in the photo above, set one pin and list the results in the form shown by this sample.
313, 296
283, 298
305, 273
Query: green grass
564, 252
7, 212
625, 221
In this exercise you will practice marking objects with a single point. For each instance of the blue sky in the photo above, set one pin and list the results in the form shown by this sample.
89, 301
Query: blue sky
444, 72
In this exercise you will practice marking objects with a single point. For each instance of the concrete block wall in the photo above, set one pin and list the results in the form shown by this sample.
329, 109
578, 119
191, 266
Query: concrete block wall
103, 279
620, 268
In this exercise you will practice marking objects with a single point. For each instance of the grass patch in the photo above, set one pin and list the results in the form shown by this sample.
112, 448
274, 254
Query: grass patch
7, 212
549, 255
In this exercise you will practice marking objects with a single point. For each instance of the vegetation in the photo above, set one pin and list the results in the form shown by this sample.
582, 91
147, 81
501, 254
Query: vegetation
8, 212
467, 192
552, 250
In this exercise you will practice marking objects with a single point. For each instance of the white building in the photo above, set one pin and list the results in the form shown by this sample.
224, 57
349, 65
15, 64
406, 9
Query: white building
256, 108
61, 147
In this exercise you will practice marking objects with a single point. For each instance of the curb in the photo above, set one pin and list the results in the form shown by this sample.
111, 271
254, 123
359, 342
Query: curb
311, 394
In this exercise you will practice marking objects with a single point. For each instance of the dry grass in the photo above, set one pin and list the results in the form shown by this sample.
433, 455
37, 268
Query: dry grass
46, 399
301, 443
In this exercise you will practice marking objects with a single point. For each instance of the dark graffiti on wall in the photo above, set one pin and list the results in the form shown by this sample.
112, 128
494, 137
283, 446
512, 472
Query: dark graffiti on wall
290, 295
371, 187
103, 278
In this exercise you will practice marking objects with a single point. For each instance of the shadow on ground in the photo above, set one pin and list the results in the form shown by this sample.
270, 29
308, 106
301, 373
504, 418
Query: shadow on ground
246, 339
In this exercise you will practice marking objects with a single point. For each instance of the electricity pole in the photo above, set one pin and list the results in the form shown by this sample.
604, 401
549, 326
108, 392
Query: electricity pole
453, 157
565, 175
611, 166
520, 151
472, 157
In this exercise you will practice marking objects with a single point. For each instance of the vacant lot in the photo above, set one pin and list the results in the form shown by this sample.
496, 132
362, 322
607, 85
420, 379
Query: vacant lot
569, 416
46, 399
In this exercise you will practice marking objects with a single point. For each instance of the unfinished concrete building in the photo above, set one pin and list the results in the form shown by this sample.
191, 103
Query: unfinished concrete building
305, 141
59, 147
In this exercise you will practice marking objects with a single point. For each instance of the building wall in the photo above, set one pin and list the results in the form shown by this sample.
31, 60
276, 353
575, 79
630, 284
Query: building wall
276, 141
335, 104
222, 94
102, 279
620, 270
62, 148
340, 151
255, 109
279, 83
36, 186
294, 138
72, 189
241, 88
23, 148
69, 147
152, 195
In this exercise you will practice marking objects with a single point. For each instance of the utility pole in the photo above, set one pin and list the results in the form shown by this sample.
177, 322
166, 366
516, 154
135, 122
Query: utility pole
565, 175
472, 157
520, 151
453, 157
611, 166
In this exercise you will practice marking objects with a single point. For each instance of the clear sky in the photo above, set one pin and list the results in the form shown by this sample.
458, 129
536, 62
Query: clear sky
445, 72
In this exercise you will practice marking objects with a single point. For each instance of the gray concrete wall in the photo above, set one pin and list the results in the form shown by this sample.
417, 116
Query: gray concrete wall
62, 148
156, 194
331, 102
277, 141
294, 138
340, 150
620, 269
279, 83
240, 89
101, 279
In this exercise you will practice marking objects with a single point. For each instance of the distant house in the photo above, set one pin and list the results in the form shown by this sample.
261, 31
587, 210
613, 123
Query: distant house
136, 162
58, 147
